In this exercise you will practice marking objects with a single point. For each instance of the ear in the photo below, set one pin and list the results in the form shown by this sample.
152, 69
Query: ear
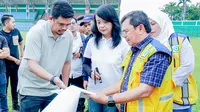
50, 18
141, 27
6, 22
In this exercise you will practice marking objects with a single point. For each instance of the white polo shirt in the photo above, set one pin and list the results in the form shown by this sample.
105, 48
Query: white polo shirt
108, 61
76, 64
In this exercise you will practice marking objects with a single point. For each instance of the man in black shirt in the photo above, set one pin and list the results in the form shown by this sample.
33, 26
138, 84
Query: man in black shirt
14, 39
4, 53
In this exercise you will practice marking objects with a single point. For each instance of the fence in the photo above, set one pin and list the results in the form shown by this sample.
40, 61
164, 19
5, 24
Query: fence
191, 28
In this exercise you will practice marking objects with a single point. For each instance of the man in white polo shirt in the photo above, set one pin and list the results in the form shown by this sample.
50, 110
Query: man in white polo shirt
76, 77
48, 52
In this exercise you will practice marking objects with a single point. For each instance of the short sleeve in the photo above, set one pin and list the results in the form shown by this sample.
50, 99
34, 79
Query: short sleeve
33, 45
155, 69
69, 55
4, 42
87, 52
20, 36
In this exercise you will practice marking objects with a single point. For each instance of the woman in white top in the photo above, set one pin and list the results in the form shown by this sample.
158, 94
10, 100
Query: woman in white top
105, 51
162, 30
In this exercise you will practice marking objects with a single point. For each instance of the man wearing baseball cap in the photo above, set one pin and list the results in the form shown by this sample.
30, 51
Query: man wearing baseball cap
87, 22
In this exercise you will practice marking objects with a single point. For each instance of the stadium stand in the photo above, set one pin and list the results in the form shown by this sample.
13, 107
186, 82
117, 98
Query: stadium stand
22, 15
37, 10
26, 17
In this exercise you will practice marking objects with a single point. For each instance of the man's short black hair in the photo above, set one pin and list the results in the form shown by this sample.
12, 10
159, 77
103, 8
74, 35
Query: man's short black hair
62, 9
137, 18
75, 19
5, 17
80, 17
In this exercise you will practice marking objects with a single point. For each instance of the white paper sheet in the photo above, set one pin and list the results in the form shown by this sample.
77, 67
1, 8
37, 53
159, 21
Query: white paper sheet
67, 100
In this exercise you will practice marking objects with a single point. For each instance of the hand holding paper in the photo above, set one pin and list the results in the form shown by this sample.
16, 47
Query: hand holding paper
99, 97
67, 100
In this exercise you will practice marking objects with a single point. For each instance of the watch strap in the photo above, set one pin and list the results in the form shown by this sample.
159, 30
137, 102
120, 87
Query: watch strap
52, 80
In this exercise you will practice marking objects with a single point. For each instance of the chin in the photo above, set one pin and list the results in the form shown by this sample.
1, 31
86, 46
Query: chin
104, 33
60, 33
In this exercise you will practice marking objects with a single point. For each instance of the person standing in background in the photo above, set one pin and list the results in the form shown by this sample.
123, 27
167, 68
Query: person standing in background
87, 23
76, 77
81, 27
4, 53
14, 39
185, 93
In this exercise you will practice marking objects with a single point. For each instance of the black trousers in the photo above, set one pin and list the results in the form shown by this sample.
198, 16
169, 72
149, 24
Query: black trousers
12, 73
79, 83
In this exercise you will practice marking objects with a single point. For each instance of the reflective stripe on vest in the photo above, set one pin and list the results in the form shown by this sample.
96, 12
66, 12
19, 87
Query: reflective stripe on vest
161, 97
140, 107
187, 94
185, 91
166, 97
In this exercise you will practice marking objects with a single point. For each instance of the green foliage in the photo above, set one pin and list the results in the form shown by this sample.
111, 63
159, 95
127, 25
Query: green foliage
176, 10
193, 12
173, 10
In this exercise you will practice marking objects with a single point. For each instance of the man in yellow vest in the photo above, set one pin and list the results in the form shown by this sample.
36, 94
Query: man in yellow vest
146, 84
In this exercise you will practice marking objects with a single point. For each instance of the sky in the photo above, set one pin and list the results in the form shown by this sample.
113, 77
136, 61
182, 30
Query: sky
145, 4
156, 3
160, 3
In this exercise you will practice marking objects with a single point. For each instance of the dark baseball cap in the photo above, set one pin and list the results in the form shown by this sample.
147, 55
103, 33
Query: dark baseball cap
87, 18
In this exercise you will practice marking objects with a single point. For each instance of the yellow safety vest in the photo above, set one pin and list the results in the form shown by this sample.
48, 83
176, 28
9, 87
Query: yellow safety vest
187, 94
161, 99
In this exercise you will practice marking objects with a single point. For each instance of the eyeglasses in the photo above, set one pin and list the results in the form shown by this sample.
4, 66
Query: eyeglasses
125, 32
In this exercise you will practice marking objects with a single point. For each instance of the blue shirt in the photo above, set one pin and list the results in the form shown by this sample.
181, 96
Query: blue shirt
85, 76
154, 69
14, 34
3, 44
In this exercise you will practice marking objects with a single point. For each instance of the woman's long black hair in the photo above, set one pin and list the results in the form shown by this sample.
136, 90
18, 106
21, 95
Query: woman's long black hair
107, 13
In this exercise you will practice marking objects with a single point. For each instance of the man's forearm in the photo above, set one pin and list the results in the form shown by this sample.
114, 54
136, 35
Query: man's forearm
111, 89
133, 94
35, 68
66, 72
4, 53
11, 58
21, 45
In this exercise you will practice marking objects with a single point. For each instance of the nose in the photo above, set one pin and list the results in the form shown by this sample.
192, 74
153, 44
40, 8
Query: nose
65, 27
88, 27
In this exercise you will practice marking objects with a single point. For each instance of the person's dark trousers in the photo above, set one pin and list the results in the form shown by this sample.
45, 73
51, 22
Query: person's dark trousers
34, 103
3, 99
79, 83
12, 73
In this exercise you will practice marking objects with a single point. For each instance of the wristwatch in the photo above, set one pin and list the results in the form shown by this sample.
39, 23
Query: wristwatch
52, 80
111, 102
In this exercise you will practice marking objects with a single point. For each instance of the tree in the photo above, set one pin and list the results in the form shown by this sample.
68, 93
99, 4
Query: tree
175, 11
184, 5
172, 10
193, 12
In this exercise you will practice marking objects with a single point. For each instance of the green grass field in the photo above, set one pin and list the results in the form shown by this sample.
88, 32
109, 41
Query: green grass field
196, 73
